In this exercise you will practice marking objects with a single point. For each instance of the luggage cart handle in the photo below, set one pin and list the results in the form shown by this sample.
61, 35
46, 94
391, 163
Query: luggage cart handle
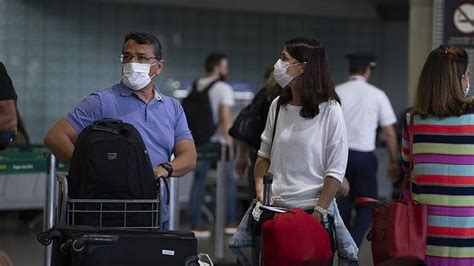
63, 181
267, 189
167, 188
267, 195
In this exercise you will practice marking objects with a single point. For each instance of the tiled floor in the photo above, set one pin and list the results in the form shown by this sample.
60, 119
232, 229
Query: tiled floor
20, 242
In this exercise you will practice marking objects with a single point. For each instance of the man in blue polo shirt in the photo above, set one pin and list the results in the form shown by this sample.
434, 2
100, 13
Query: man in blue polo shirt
135, 100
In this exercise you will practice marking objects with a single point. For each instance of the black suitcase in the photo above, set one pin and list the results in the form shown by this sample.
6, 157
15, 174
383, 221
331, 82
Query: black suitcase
93, 246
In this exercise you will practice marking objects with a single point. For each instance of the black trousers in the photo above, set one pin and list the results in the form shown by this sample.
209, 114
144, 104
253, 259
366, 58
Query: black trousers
362, 175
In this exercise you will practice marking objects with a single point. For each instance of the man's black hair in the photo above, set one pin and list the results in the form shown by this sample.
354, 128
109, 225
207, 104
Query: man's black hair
358, 67
146, 38
358, 62
213, 60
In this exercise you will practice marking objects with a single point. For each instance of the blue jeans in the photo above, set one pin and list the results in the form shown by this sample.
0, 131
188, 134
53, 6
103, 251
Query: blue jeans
199, 187
165, 225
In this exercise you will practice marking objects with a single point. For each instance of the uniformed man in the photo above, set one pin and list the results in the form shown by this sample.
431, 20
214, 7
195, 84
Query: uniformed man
365, 107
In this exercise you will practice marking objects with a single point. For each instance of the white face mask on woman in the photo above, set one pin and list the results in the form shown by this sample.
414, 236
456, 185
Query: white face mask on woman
135, 75
279, 71
466, 91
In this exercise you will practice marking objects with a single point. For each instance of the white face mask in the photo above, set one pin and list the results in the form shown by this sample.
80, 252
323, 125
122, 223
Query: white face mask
279, 71
135, 75
466, 92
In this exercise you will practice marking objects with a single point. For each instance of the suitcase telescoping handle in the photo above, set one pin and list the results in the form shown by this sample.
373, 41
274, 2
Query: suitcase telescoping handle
77, 245
267, 195
167, 187
267, 189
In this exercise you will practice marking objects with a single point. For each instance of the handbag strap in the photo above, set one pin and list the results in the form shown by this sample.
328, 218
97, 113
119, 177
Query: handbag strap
275, 125
407, 181
369, 202
275, 122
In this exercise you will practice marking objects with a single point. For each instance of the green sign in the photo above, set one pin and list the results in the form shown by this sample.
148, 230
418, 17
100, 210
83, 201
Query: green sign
208, 152
26, 159
34, 159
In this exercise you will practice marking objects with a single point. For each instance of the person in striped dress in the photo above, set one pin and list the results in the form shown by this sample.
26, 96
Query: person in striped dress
443, 156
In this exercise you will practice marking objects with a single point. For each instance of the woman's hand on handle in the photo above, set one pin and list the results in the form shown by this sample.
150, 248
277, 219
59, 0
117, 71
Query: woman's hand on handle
317, 215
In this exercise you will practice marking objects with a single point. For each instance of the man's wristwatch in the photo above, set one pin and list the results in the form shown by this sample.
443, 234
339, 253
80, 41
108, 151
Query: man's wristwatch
168, 167
323, 212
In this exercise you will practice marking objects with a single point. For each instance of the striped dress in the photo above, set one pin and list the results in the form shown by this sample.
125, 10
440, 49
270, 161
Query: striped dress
443, 178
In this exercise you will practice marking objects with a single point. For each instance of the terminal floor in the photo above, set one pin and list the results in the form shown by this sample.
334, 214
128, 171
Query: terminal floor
19, 240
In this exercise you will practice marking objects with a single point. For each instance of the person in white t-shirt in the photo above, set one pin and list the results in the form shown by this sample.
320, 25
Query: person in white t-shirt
365, 107
307, 155
221, 97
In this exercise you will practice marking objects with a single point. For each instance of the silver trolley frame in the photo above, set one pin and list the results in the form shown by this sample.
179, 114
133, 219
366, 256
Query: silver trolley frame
69, 208
60, 209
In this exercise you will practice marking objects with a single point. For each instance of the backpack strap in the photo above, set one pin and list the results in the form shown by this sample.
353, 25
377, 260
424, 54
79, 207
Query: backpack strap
209, 87
277, 111
194, 86
206, 89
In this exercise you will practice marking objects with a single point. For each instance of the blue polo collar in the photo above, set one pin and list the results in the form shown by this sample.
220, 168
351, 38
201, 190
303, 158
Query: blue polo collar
125, 91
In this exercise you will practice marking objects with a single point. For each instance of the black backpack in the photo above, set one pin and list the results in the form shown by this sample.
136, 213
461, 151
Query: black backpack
249, 124
198, 110
110, 161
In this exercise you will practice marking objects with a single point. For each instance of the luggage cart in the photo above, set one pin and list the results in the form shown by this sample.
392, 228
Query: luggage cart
60, 209
120, 209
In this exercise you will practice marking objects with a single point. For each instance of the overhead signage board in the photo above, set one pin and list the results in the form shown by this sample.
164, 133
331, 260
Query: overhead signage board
459, 23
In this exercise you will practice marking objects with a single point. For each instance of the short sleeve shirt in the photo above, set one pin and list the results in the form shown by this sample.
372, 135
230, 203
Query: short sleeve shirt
161, 123
365, 107
221, 94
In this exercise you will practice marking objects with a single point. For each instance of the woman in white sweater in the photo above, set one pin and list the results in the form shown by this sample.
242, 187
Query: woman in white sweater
308, 154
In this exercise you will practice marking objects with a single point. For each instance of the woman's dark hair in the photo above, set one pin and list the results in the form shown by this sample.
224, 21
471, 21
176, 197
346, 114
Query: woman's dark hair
440, 91
272, 89
316, 83
146, 38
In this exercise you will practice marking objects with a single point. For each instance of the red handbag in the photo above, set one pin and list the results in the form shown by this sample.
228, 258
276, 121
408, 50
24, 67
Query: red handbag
295, 238
398, 233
